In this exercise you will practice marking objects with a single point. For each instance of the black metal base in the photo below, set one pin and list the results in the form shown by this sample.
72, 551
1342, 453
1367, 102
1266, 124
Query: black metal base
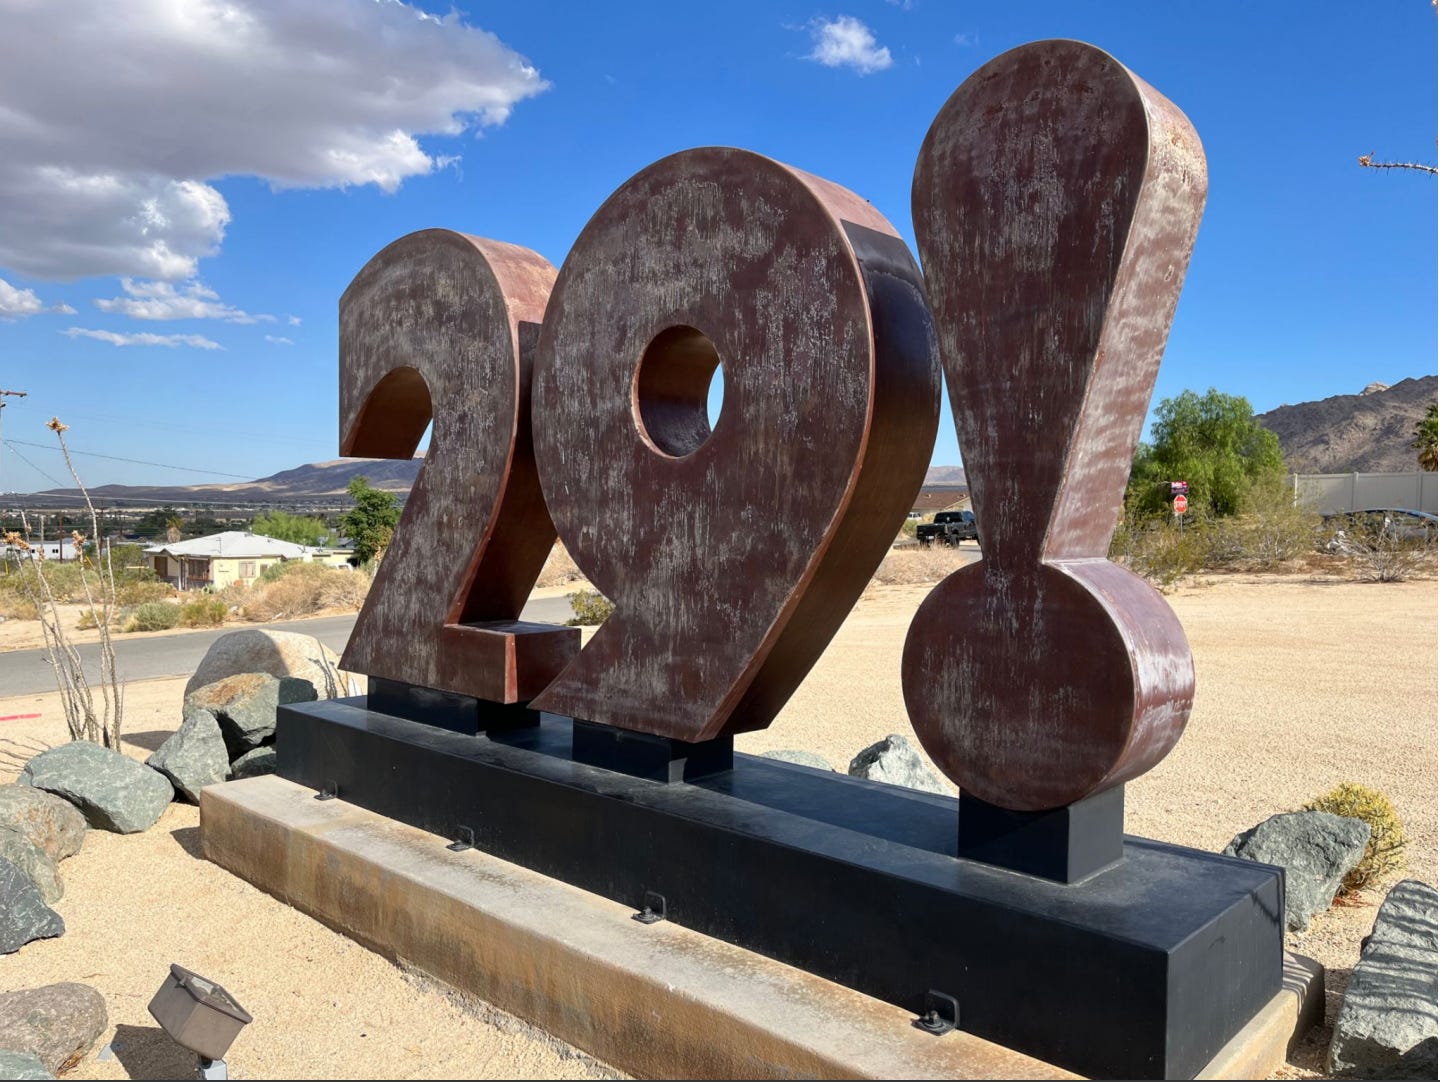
1143, 970
1067, 845
458, 713
645, 756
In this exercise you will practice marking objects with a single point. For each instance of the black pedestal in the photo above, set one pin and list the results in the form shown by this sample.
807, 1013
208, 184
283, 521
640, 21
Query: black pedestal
458, 713
1067, 844
1143, 970
643, 755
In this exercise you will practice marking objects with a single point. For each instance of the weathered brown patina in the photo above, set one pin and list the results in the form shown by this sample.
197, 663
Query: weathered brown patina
732, 555
443, 325
1056, 202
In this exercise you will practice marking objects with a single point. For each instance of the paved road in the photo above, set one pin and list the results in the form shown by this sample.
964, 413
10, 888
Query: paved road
27, 672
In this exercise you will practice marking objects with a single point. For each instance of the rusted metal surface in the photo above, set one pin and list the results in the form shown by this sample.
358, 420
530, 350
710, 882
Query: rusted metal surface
732, 556
444, 324
1056, 202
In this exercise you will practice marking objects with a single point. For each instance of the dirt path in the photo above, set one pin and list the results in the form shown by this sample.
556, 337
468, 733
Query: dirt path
1301, 685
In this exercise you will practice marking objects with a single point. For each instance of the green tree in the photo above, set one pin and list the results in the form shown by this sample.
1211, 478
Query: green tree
371, 522
1424, 443
1212, 441
159, 522
298, 529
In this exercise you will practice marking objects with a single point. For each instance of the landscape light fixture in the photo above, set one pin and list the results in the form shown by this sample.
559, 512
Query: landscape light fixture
199, 1015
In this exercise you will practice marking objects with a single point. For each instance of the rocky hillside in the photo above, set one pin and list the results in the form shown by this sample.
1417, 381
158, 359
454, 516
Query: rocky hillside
1369, 432
945, 475
317, 481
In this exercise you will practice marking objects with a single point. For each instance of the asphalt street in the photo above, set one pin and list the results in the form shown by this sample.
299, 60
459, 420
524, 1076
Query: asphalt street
27, 672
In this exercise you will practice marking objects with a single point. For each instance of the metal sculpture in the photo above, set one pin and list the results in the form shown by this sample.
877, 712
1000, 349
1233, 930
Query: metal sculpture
1056, 199
442, 326
732, 556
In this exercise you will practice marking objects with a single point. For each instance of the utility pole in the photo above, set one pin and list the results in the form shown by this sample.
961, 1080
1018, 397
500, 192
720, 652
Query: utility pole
3, 396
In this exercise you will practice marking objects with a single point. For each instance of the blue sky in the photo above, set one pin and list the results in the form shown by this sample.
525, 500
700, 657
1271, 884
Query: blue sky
236, 164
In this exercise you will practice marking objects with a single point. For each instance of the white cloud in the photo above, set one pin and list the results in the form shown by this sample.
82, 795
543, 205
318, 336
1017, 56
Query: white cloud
116, 117
198, 341
161, 300
278, 340
967, 41
846, 42
17, 303
294, 321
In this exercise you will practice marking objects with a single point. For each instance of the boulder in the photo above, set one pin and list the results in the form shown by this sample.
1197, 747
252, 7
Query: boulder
113, 791
1387, 1020
279, 653
52, 823
254, 763
194, 757
1422, 1061
245, 705
894, 761
57, 1024
24, 916
800, 758
33, 861
1316, 849
21, 1065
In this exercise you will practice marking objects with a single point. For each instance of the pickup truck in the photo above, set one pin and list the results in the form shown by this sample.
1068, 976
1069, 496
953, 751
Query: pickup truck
949, 528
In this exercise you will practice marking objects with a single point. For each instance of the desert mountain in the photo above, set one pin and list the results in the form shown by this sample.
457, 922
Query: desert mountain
945, 475
317, 482
1368, 432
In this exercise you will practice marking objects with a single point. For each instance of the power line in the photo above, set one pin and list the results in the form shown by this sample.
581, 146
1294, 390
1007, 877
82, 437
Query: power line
59, 484
133, 461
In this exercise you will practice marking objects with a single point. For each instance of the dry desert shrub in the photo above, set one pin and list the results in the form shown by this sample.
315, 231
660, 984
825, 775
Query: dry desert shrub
203, 612
559, 568
1385, 851
904, 567
154, 616
591, 608
301, 589
141, 591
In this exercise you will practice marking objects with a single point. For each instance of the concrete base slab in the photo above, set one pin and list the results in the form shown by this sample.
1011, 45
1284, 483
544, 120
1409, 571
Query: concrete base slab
657, 1001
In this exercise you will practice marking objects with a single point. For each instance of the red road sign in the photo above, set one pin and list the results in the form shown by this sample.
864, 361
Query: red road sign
1181, 503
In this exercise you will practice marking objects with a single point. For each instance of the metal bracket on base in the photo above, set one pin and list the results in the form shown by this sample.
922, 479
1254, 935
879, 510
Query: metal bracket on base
653, 911
329, 790
464, 839
940, 1014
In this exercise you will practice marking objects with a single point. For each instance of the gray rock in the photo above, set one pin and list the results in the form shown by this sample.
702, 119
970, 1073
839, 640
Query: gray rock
52, 823
279, 653
893, 760
114, 792
245, 706
194, 757
800, 758
33, 861
254, 763
21, 1065
1316, 849
1422, 1061
1389, 1008
24, 916
56, 1024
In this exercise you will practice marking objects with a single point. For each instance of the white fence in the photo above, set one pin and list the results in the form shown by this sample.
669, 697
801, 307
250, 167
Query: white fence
1327, 492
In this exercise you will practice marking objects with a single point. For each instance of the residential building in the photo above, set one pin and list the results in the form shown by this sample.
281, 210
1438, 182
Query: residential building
216, 561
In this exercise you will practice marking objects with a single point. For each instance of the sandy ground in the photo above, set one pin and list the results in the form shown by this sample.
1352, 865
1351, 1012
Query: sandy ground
1301, 684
